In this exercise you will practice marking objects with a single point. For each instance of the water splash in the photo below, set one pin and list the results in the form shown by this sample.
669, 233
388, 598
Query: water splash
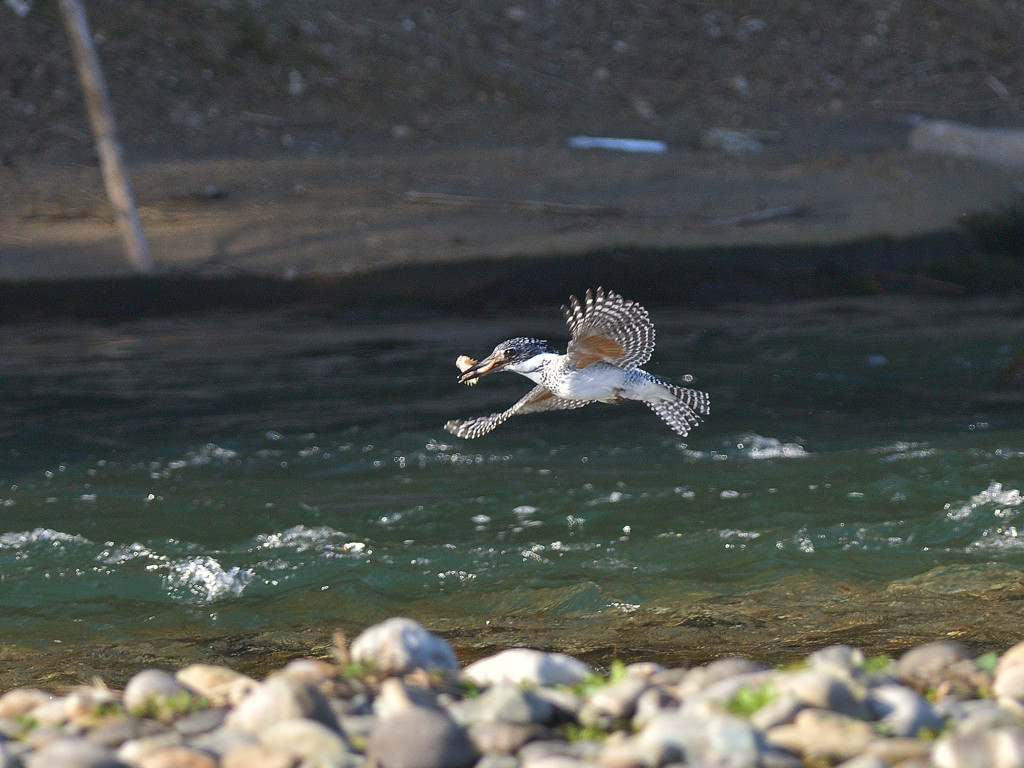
203, 579
58, 540
758, 447
324, 540
994, 499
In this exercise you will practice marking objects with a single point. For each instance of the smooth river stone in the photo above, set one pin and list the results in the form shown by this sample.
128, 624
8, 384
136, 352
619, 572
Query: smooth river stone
151, 685
526, 666
280, 698
399, 646
420, 737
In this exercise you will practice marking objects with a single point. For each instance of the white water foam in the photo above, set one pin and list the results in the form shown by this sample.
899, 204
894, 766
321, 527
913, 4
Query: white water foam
119, 554
903, 450
999, 539
208, 454
1002, 502
58, 539
735, 538
204, 580
323, 540
751, 446
757, 447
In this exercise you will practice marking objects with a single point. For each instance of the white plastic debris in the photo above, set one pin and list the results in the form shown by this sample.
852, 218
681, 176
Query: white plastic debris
622, 145
1001, 146
20, 7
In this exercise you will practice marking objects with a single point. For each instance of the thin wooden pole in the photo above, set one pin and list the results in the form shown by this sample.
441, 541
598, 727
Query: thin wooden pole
101, 116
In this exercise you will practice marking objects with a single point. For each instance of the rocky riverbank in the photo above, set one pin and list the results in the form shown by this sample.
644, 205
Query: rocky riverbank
396, 698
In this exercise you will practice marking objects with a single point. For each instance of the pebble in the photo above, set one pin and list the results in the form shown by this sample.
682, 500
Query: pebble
902, 711
258, 756
526, 666
398, 646
21, 701
308, 739
613, 703
822, 735
220, 686
925, 666
504, 738
73, 753
115, 731
280, 698
935, 707
419, 737
1000, 748
178, 757
507, 703
820, 690
1009, 682
152, 686
716, 738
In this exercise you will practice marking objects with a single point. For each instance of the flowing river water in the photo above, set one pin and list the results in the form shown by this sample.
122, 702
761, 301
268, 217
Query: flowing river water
233, 486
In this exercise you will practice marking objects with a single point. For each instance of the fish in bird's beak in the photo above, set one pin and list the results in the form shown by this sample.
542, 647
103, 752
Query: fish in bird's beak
473, 370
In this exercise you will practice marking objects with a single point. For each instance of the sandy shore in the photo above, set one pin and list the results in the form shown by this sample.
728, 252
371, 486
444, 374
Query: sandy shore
343, 214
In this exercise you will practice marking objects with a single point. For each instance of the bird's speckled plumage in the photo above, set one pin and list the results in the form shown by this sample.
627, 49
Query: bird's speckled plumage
611, 338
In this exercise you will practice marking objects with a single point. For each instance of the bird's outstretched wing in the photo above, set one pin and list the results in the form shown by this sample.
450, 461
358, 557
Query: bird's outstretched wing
536, 400
607, 327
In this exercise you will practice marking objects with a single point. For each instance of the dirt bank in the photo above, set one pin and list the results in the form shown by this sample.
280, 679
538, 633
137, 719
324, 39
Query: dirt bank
289, 139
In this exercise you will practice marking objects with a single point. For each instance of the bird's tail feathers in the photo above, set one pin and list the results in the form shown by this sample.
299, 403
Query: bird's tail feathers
683, 409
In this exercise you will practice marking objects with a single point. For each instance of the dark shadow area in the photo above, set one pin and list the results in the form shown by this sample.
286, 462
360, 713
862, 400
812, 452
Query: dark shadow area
931, 264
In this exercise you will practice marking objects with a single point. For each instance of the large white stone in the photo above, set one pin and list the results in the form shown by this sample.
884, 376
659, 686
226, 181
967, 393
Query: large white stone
527, 666
399, 646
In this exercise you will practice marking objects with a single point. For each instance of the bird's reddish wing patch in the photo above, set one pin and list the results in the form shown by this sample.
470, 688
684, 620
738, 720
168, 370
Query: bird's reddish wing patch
592, 349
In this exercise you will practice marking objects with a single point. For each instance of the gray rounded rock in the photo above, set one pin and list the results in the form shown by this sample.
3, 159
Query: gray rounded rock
526, 666
614, 702
115, 731
715, 739
307, 739
781, 710
999, 748
152, 686
258, 756
1009, 682
902, 711
820, 735
508, 703
223, 741
864, 761
701, 678
496, 760
134, 750
280, 698
837, 659
203, 721
399, 646
925, 665
419, 737
21, 701
73, 753
825, 691
504, 738
178, 757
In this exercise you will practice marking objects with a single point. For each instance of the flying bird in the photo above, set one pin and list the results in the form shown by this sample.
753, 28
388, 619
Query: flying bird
611, 338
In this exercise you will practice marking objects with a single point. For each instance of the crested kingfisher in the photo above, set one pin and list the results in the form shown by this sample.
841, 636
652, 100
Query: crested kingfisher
611, 338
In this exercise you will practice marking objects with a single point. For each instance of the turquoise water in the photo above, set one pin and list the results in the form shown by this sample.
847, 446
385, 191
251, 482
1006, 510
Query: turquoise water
234, 475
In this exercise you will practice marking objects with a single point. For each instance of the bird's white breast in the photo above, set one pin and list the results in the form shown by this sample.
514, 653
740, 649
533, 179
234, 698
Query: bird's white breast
595, 382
